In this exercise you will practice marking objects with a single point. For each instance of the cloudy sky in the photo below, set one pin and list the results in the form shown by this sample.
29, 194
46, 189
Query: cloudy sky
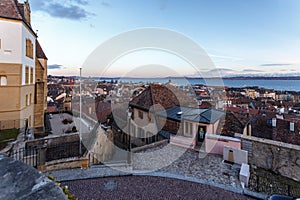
247, 36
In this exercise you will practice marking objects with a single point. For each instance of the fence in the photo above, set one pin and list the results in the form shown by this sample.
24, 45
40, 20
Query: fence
28, 156
62, 151
39, 155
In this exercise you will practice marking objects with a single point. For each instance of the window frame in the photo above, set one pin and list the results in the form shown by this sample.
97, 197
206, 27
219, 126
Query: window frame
2, 77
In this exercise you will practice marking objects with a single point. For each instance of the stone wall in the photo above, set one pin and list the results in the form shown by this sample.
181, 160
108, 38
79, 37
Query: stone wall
279, 157
53, 141
68, 163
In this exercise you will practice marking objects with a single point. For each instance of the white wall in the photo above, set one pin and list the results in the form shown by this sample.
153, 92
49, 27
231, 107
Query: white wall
13, 36
11, 42
26, 60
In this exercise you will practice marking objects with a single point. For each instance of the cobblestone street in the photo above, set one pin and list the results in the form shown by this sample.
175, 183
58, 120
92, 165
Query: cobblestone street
189, 163
189, 176
146, 187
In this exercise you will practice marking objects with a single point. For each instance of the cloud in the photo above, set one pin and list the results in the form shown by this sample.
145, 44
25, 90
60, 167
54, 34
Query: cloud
252, 70
81, 2
225, 57
71, 9
275, 64
54, 66
163, 5
105, 4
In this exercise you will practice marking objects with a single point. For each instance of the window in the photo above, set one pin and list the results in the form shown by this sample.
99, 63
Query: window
31, 74
26, 75
140, 113
133, 130
30, 99
188, 129
141, 133
26, 103
3, 80
29, 48
0, 44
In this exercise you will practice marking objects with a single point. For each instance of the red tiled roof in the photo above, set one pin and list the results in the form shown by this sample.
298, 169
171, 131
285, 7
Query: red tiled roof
242, 110
103, 109
39, 51
234, 123
166, 96
143, 100
283, 133
10, 9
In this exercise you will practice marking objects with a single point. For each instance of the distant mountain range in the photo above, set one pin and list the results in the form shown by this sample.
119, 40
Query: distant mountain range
222, 73
247, 73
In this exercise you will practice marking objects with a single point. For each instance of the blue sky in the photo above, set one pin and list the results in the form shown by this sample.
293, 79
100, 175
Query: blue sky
261, 36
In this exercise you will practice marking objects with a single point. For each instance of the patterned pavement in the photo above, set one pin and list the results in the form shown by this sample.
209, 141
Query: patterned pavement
146, 187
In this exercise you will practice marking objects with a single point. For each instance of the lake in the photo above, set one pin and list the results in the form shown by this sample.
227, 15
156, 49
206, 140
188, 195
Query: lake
280, 85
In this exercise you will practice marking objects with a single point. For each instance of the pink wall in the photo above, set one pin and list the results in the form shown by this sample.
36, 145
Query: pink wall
215, 146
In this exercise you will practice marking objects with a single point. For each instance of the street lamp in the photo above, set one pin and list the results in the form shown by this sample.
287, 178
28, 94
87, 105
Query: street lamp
80, 111
129, 135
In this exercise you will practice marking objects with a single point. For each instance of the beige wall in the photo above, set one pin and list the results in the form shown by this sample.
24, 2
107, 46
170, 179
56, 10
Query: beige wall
13, 95
40, 93
10, 94
148, 125
44, 64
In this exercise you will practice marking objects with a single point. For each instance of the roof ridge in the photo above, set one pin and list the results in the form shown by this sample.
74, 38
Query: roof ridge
151, 96
17, 4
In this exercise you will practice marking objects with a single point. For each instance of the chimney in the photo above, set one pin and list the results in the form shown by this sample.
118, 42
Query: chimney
274, 120
292, 126
27, 12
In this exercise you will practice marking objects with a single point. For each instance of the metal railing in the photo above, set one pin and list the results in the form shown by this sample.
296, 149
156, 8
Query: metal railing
39, 155
28, 156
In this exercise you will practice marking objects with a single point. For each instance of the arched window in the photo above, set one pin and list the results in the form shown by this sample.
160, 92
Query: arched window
3, 80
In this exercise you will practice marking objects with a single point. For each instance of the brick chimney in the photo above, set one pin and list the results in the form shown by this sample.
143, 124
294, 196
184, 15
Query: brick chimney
27, 12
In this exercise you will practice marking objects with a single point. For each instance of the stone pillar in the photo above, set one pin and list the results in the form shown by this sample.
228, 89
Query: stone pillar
41, 157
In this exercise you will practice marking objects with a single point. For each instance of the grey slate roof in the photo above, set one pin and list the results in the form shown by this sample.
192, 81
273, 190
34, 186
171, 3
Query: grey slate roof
207, 116
165, 134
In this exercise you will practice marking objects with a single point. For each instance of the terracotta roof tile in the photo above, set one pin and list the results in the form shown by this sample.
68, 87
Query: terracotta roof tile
10, 9
166, 96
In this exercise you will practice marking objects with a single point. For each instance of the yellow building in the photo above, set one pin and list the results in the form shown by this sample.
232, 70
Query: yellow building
23, 69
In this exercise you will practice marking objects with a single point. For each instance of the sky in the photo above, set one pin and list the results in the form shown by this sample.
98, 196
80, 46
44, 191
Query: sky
239, 36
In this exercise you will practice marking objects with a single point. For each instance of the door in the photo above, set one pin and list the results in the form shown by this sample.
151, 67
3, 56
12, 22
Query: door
201, 133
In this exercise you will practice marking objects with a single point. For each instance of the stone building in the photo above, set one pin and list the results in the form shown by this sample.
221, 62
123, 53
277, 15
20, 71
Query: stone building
23, 68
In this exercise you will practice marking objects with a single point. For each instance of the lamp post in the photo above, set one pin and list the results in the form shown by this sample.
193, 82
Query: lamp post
80, 111
129, 136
